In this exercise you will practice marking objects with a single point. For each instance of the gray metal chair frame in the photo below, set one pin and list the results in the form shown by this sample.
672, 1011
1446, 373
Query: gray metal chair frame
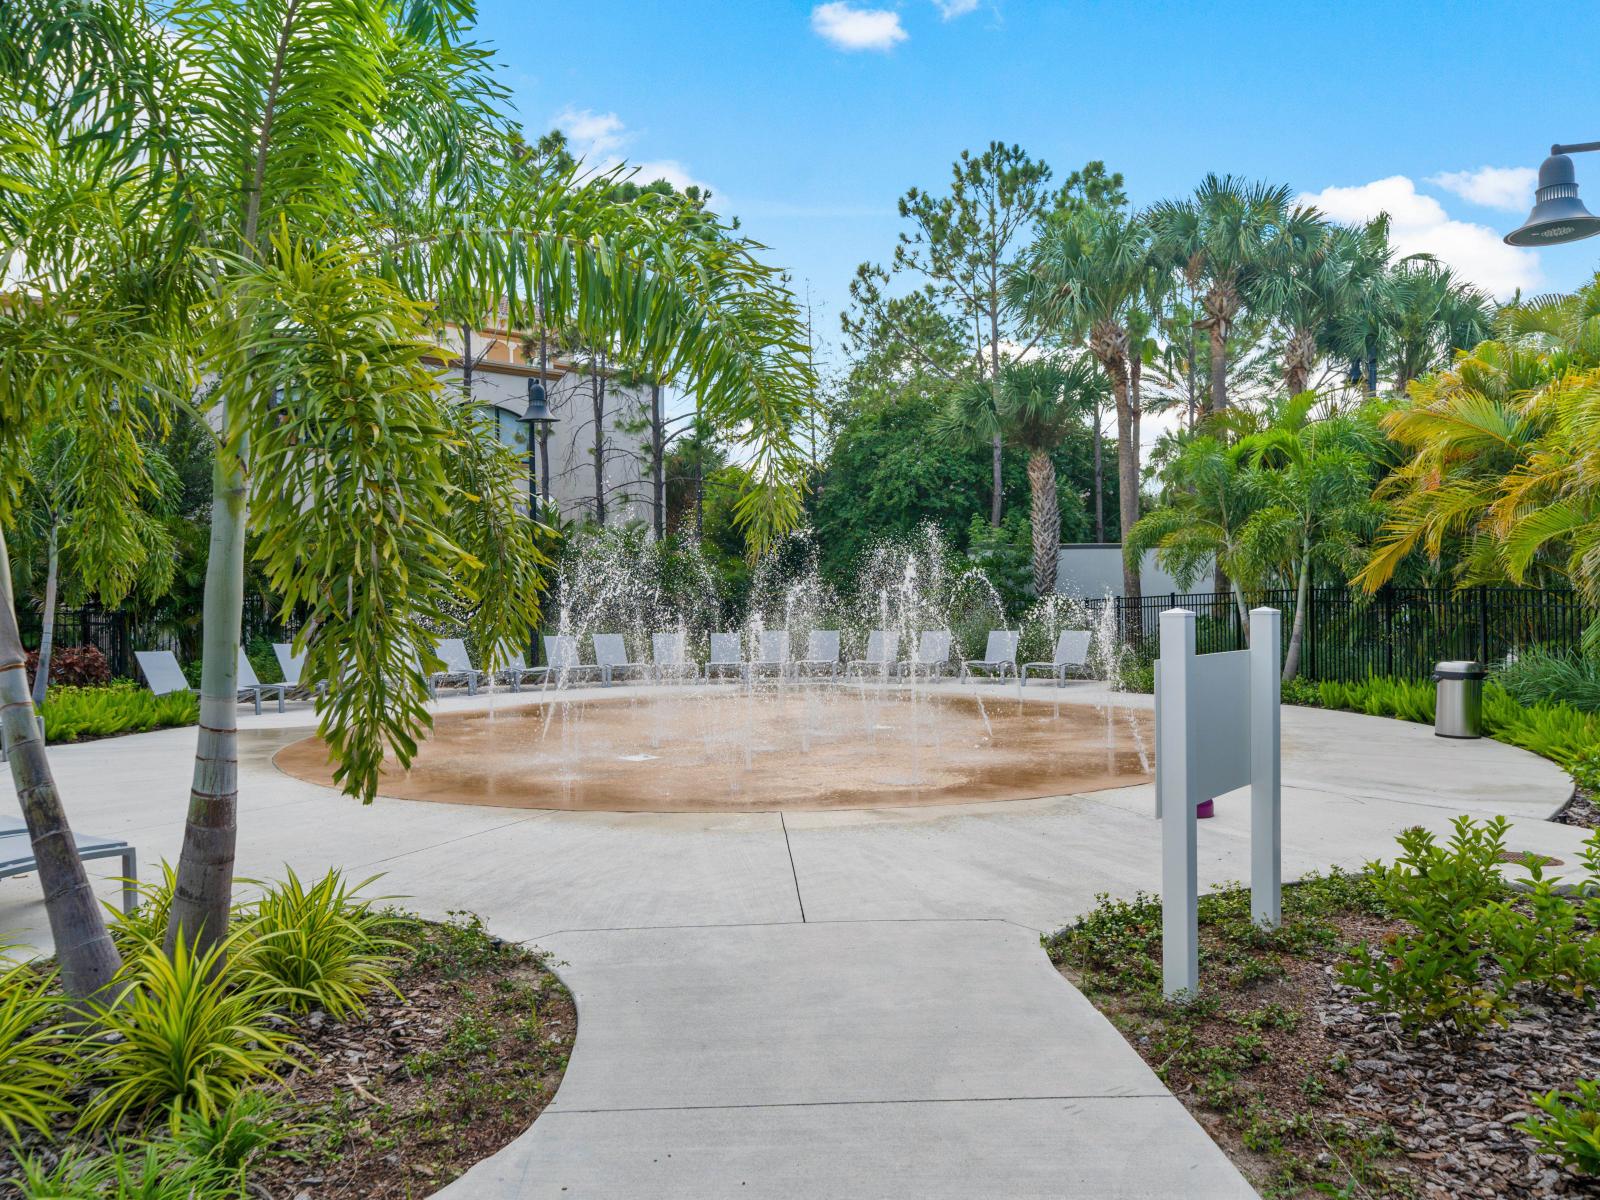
611, 656
1071, 653
253, 689
562, 660
882, 654
999, 656
669, 657
17, 858
515, 671
822, 654
727, 654
458, 669
772, 653
293, 666
932, 656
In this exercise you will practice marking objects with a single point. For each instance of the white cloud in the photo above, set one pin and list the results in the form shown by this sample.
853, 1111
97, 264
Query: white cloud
591, 134
1508, 188
951, 9
600, 140
1419, 224
851, 28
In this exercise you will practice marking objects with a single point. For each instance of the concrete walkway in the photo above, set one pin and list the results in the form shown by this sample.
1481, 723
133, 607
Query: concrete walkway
822, 1004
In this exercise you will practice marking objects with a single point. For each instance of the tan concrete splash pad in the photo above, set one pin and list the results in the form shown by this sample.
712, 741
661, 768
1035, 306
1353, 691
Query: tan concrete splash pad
721, 749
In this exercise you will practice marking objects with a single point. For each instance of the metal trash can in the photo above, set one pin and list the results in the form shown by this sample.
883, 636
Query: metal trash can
1458, 706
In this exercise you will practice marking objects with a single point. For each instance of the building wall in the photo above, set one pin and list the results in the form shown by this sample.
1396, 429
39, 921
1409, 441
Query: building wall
1090, 571
500, 382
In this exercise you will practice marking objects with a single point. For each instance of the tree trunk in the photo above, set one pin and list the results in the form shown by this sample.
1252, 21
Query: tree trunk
1291, 661
997, 479
996, 485
597, 391
1219, 367
1046, 514
204, 892
47, 627
84, 950
1370, 373
466, 364
1299, 356
1099, 482
1127, 475
658, 463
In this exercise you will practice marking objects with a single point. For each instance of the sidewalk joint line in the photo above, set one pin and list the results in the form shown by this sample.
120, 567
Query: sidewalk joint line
553, 1111
798, 898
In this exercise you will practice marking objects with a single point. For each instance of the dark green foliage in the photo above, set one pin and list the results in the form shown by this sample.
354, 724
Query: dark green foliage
72, 714
1549, 677
1569, 1126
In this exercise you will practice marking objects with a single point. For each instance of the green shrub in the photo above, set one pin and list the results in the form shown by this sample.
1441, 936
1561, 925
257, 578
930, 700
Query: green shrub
1570, 1125
1552, 677
1434, 972
1537, 937
32, 1081
325, 945
156, 1170
249, 1126
147, 923
1117, 940
72, 713
185, 1032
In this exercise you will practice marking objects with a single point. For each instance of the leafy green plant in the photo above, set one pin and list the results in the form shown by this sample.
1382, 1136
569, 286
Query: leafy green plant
1434, 974
251, 1124
1537, 938
32, 1080
186, 1031
74, 713
1541, 676
1570, 1125
147, 922
326, 946
157, 1170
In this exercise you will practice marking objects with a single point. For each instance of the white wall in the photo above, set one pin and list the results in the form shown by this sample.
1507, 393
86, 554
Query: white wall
1093, 570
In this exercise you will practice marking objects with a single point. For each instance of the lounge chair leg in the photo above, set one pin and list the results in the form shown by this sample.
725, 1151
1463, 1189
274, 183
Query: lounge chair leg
130, 881
258, 701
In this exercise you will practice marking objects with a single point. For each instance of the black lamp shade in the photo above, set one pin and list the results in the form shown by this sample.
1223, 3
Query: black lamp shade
538, 408
1558, 215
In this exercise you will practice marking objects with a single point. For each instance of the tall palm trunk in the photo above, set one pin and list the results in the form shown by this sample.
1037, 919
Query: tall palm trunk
1219, 366
597, 391
1297, 633
84, 950
1046, 515
1099, 481
658, 472
1109, 344
997, 478
47, 628
1299, 356
204, 891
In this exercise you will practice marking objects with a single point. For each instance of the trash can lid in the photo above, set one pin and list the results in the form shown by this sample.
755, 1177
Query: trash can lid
1464, 669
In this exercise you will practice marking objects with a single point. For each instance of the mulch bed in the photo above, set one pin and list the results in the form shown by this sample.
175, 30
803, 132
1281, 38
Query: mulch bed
1313, 1094
1582, 810
406, 1098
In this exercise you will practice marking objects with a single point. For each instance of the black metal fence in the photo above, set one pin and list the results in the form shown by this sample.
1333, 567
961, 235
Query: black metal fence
118, 633
1399, 631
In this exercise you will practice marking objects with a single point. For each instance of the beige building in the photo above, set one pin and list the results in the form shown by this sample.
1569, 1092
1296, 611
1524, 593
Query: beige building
503, 366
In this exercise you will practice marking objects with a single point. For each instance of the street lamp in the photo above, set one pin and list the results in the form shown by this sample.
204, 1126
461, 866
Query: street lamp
1558, 215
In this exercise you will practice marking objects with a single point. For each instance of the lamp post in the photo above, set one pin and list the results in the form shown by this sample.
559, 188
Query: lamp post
538, 420
1558, 215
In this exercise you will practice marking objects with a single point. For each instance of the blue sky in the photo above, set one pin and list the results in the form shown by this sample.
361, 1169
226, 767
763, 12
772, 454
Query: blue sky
809, 120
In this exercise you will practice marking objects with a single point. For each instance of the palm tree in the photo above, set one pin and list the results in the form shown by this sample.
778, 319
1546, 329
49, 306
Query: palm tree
1432, 313
1040, 402
1313, 280
1360, 329
316, 177
1221, 238
1086, 279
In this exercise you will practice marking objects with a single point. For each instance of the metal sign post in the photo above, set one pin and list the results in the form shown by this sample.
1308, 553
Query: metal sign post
1217, 729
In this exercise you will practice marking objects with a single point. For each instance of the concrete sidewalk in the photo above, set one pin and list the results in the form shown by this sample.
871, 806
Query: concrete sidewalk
861, 1059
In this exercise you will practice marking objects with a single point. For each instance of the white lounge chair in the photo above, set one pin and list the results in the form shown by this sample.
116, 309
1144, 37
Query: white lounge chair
1071, 654
772, 652
251, 688
458, 669
611, 656
822, 654
882, 653
999, 656
932, 656
515, 670
669, 657
292, 666
562, 660
162, 674
727, 654
17, 857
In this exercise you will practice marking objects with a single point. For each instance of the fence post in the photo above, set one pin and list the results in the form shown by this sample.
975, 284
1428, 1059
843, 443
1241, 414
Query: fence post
1310, 632
1483, 624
